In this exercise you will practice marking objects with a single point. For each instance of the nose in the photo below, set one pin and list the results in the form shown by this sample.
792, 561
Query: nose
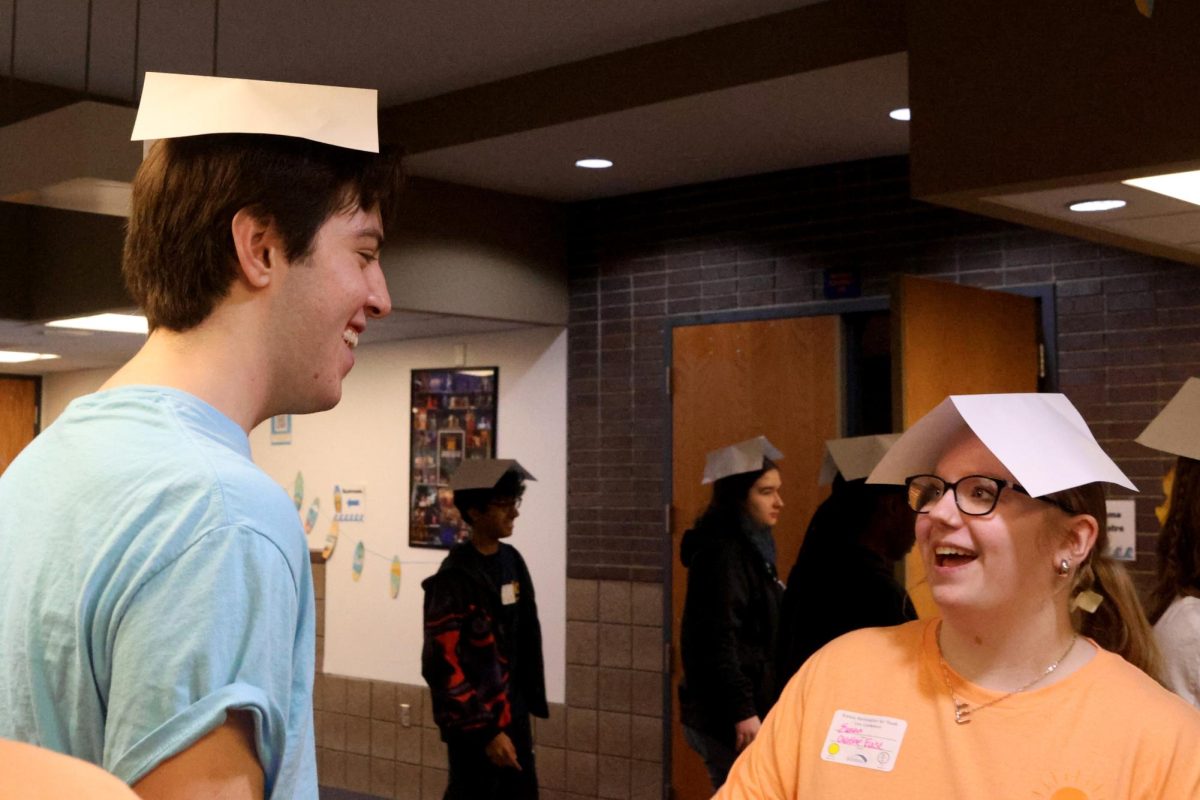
379, 302
945, 510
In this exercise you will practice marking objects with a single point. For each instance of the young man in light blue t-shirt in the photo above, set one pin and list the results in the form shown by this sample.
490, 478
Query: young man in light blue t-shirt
157, 598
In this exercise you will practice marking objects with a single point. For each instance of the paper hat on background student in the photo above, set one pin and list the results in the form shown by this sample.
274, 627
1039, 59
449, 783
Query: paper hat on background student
192, 105
737, 458
484, 473
1040, 438
854, 457
1176, 429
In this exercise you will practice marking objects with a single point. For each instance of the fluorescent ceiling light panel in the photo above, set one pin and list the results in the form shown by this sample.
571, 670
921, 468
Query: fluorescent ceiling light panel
1183, 186
112, 323
15, 357
901, 114
593, 163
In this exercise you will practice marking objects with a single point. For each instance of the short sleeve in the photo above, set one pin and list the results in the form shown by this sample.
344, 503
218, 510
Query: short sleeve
217, 629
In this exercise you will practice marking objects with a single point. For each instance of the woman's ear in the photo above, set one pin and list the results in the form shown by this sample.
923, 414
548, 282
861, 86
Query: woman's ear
256, 242
1081, 534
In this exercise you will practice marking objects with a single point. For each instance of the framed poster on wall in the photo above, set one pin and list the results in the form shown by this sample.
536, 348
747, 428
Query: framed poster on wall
453, 419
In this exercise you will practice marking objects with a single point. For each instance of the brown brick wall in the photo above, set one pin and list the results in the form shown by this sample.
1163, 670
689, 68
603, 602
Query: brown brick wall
1128, 325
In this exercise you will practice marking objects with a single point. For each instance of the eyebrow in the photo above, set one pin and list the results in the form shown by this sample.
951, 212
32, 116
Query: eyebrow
370, 233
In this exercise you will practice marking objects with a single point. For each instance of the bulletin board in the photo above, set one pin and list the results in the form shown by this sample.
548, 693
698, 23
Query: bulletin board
453, 419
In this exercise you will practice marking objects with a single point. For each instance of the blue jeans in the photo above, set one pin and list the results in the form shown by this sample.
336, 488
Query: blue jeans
718, 757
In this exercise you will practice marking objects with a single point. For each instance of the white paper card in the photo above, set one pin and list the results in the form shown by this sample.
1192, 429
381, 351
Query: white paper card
1176, 429
854, 457
1040, 438
191, 105
864, 740
1122, 529
737, 458
508, 594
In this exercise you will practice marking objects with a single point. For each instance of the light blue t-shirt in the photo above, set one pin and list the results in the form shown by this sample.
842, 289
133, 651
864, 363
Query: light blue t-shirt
151, 578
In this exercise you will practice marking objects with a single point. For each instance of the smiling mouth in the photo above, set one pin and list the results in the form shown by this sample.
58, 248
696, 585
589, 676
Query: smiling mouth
350, 337
946, 556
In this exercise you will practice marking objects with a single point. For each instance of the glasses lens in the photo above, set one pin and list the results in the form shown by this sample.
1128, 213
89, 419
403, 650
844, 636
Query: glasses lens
924, 491
976, 494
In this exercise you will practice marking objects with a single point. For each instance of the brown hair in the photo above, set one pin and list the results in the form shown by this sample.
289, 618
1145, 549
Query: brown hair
179, 258
1179, 541
1119, 623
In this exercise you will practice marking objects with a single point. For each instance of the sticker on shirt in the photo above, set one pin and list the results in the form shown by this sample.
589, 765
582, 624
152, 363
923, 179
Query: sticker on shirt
864, 740
509, 593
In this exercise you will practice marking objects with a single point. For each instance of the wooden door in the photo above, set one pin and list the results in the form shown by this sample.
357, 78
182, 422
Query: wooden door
951, 339
730, 382
18, 416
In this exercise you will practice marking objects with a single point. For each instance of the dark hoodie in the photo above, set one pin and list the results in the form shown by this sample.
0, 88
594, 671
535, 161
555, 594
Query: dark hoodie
469, 648
730, 622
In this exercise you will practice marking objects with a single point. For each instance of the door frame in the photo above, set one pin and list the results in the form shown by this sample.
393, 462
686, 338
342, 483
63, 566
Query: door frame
1044, 293
813, 309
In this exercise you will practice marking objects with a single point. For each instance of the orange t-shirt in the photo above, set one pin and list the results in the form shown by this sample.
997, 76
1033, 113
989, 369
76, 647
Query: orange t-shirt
869, 716
33, 773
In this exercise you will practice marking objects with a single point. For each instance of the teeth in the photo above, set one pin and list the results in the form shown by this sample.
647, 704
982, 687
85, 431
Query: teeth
350, 337
945, 550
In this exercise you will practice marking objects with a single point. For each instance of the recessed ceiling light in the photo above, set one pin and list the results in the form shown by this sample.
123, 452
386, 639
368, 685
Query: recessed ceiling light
113, 323
593, 163
901, 114
15, 357
1183, 186
1096, 205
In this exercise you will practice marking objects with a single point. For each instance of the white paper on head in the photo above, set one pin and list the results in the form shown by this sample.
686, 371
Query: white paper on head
1176, 429
190, 105
854, 456
737, 458
1040, 438
484, 473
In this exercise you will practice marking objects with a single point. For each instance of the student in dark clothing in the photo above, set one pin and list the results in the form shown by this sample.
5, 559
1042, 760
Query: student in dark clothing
731, 612
482, 656
844, 578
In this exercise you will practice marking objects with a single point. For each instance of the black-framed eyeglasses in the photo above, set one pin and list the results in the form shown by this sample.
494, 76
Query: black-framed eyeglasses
975, 495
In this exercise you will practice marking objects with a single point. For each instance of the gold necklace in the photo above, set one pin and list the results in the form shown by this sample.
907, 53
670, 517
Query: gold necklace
963, 711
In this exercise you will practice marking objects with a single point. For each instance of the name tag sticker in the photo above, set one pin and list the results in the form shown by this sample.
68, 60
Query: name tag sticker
864, 740
508, 594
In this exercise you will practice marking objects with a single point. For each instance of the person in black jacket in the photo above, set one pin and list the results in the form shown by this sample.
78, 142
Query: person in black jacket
482, 656
731, 611
844, 577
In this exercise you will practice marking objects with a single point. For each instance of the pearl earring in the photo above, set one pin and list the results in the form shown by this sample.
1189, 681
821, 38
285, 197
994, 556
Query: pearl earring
1064, 567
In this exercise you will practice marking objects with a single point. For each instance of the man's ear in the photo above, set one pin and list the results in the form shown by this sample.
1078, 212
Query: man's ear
257, 245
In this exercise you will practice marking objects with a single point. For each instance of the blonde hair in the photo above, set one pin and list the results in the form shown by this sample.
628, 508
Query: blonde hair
1119, 624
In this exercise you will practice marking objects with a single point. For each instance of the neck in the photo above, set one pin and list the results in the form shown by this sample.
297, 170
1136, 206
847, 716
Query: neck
485, 544
209, 361
1001, 655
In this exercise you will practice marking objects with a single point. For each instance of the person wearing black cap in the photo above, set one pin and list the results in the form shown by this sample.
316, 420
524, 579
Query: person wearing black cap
731, 612
482, 656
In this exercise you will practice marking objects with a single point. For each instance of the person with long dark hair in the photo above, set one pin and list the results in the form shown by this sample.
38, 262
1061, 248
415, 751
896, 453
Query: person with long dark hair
731, 613
1035, 678
1175, 599
856, 537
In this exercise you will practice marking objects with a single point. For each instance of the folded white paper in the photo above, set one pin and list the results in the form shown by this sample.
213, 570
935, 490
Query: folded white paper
854, 457
737, 458
1176, 429
484, 473
1040, 438
190, 105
